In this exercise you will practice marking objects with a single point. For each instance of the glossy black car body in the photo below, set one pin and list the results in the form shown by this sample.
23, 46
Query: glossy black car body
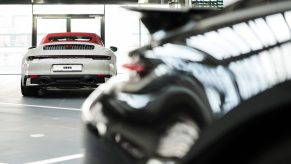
212, 86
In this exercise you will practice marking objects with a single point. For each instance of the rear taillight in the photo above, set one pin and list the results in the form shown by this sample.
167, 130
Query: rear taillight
32, 76
137, 71
135, 67
94, 57
103, 75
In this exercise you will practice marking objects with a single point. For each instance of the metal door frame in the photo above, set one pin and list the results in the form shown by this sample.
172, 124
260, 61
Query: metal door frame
68, 18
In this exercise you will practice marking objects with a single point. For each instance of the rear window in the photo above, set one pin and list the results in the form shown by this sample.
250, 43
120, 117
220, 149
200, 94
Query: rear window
70, 38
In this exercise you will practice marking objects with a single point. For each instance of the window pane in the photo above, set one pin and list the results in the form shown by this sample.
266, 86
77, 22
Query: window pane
45, 26
86, 25
15, 36
124, 30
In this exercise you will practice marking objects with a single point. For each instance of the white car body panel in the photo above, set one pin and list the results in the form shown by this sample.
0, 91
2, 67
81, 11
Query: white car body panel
89, 66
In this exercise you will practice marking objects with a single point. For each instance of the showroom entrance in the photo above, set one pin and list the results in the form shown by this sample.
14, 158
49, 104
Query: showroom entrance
44, 24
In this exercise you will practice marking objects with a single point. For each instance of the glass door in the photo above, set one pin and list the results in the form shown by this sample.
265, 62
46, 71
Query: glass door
15, 36
44, 24
86, 25
94, 24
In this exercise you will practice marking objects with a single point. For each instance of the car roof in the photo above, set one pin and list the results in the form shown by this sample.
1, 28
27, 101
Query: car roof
94, 38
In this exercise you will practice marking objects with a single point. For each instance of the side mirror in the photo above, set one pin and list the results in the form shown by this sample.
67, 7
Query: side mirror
31, 47
112, 48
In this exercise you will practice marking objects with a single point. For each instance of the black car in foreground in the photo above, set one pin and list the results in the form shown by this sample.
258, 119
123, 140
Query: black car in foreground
213, 86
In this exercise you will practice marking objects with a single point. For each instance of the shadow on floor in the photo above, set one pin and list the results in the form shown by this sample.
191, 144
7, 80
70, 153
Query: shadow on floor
64, 94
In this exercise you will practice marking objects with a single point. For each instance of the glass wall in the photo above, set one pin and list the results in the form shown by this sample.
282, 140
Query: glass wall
89, 25
62, 18
59, 25
123, 29
15, 36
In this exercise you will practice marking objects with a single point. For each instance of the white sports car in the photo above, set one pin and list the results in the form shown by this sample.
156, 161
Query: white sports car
67, 60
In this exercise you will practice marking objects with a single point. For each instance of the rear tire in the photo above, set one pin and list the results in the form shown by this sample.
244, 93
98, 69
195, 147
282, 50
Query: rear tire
29, 91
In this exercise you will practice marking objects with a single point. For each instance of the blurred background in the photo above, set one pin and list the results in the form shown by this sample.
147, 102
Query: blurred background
23, 24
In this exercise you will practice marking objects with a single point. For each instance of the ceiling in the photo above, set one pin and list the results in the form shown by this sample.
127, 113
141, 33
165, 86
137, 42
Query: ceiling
66, 1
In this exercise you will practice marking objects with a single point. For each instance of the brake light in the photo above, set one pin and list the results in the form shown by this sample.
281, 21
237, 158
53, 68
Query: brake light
32, 76
68, 46
135, 67
94, 57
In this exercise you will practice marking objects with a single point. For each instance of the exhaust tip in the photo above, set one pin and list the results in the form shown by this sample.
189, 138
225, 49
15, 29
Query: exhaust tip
44, 81
90, 81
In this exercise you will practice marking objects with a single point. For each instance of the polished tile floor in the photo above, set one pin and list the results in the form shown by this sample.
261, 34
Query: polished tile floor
46, 129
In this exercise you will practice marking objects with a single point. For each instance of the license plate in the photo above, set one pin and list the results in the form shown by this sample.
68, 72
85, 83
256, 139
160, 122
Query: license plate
67, 68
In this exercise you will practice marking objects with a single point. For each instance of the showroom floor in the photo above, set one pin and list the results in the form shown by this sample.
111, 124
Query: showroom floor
46, 129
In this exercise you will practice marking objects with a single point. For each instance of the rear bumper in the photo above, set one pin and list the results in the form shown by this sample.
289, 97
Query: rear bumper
65, 81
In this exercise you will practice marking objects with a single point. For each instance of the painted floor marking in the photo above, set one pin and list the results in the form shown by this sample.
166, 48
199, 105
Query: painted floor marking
59, 159
36, 135
40, 106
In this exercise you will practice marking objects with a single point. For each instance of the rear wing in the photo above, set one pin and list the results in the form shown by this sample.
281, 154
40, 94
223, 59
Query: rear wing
72, 37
